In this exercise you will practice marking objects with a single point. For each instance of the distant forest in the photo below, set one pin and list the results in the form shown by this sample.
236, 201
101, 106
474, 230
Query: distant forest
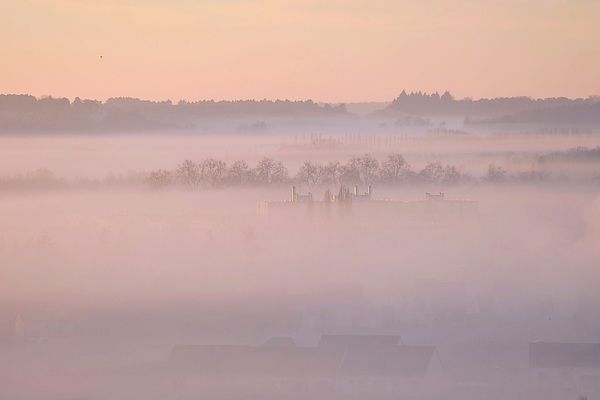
26, 113
436, 104
503, 110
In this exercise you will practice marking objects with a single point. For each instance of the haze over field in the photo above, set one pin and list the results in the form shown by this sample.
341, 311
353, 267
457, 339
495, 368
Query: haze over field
104, 274
358, 227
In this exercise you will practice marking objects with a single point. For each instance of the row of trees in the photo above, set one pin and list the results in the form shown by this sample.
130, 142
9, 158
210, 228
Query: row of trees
358, 170
363, 170
213, 172
26, 113
30, 104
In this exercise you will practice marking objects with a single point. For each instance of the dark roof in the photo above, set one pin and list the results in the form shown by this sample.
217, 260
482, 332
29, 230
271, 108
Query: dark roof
343, 355
561, 355
384, 360
353, 341
280, 341
252, 360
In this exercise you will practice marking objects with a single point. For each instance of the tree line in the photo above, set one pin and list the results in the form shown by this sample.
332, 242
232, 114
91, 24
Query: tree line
26, 113
361, 170
420, 103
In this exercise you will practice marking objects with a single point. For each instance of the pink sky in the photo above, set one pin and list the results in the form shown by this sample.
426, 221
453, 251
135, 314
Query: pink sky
338, 50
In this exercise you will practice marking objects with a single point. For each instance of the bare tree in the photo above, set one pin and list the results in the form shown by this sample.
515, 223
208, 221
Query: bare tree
395, 168
332, 172
280, 173
350, 173
188, 173
495, 174
160, 178
451, 175
366, 166
264, 170
433, 172
239, 172
310, 173
212, 171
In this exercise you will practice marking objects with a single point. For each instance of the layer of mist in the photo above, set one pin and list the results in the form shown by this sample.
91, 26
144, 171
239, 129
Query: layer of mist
425, 289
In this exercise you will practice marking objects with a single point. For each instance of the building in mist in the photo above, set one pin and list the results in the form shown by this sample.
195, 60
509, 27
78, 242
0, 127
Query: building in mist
357, 196
297, 197
11, 327
565, 369
433, 204
338, 364
435, 196
33, 326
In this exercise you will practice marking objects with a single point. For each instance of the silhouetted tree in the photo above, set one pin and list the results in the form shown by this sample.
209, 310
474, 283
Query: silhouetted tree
367, 167
349, 173
310, 173
239, 172
432, 172
331, 173
451, 175
188, 173
160, 178
280, 173
212, 171
495, 174
395, 168
264, 170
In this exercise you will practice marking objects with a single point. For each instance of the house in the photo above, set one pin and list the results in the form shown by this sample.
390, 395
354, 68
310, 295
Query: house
565, 368
369, 364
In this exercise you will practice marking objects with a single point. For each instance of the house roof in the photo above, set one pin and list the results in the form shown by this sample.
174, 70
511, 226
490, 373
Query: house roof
561, 355
354, 341
280, 341
252, 360
343, 355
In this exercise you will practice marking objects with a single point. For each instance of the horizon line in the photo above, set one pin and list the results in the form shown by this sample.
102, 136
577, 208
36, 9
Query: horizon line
104, 100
